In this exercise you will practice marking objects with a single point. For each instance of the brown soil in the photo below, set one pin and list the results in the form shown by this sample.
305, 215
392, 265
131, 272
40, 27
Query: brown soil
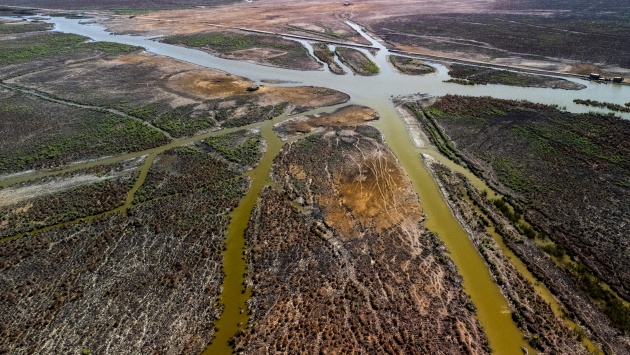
211, 84
178, 97
311, 16
351, 270
144, 281
349, 116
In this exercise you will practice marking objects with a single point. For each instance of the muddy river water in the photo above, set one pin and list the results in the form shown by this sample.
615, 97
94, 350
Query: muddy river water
376, 92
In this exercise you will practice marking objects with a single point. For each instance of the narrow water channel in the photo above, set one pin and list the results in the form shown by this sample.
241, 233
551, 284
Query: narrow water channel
493, 311
376, 92
234, 294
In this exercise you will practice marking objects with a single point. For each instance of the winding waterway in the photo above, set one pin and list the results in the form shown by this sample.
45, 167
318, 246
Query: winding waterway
376, 92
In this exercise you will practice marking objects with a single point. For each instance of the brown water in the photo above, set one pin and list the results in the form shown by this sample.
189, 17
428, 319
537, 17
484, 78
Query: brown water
492, 308
234, 293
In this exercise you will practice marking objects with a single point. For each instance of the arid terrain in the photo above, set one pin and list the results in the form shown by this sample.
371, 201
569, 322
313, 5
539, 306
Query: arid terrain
549, 35
110, 222
377, 280
152, 205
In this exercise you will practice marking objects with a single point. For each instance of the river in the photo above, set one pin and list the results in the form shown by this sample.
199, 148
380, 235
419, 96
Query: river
376, 92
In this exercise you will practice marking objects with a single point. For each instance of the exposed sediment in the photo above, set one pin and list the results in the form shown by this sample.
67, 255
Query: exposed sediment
340, 262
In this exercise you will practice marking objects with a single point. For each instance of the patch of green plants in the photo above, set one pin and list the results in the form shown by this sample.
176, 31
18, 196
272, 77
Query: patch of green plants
370, 67
39, 46
186, 169
554, 250
357, 61
90, 134
412, 66
608, 105
477, 109
112, 48
513, 175
147, 112
226, 42
614, 308
52, 44
434, 132
471, 75
572, 168
579, 141
254, 114
65, 206
23, 27
179, 122
505, 209
222, 42
540, 144
237, 147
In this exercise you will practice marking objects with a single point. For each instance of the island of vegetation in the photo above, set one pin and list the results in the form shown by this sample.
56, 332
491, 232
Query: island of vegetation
411, 66
476, 75
357, 61
553, 167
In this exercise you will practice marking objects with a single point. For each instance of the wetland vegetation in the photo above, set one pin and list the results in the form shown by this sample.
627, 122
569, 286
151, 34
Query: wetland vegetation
360, 246
130, 182
553, 167
357, 61
263, 49
40, 134
477, 75
54, 44
562, 36
49, 201
544, 329
608, 105
411, 66
144, 228
323, 53
12, 27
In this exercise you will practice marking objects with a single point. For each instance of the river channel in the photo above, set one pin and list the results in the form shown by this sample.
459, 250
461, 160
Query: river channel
376, 92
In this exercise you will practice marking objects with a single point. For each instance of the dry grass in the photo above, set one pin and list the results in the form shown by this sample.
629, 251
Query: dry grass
349, 116
209, 84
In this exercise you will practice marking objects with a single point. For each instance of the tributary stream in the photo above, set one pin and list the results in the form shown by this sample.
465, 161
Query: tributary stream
376, 92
